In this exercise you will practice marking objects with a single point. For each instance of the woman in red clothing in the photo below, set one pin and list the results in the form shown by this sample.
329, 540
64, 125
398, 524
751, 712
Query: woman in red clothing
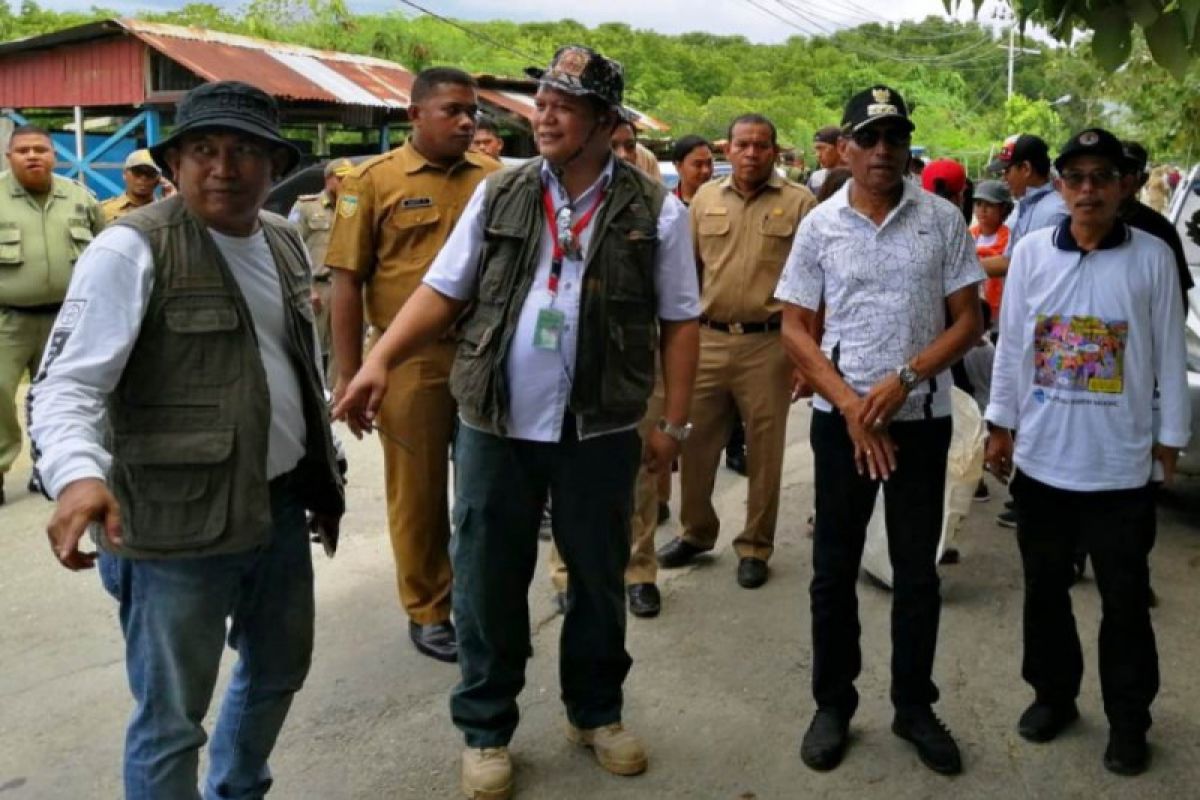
993, 204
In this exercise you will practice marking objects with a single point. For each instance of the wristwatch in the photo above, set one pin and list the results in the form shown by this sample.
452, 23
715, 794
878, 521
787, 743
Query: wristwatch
908, 377
677, 432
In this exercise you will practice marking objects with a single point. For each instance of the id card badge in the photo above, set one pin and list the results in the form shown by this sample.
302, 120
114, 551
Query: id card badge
547, 333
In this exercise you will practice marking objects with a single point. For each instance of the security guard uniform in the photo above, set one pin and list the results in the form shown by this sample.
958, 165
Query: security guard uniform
741, 246
40, 239
394, 213
313, 217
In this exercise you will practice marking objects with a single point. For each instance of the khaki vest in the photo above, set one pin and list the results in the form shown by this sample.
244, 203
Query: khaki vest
618, 321
190, 416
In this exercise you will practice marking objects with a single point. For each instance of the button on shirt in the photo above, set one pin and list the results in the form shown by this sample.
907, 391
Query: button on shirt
540, 381
742, 244
884, 288
1039, 208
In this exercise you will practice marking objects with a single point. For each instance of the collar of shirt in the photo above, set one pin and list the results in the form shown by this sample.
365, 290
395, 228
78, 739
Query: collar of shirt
326, 200
773, 182
559, 194
413, 162
909, 195
1034, 196
1064, 240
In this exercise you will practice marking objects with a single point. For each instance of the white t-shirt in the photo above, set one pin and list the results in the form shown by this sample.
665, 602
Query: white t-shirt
884, 288
97, 329
1083, 339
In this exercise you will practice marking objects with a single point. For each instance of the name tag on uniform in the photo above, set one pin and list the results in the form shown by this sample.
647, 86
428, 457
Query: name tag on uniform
417, 202
547, 333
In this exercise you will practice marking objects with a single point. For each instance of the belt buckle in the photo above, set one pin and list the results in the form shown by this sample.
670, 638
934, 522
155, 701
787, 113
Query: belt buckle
736, 328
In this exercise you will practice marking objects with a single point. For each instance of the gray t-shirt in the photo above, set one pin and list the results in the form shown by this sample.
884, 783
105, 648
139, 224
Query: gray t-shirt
884, 287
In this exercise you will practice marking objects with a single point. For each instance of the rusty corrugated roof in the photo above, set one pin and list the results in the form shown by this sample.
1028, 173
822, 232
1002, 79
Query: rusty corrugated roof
287, 71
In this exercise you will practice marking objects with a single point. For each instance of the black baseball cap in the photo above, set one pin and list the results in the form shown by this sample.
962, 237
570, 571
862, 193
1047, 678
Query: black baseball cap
876, 104
1136, 158
827, 135
1019, 148
1092, 142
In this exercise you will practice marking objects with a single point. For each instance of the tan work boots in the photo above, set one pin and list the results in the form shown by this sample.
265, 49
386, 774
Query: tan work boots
487, 773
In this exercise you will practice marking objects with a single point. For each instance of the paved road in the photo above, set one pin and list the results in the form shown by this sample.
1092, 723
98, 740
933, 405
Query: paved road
719, 689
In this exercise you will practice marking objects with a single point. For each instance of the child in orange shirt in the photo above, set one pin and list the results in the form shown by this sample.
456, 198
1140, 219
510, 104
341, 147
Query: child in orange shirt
993, 204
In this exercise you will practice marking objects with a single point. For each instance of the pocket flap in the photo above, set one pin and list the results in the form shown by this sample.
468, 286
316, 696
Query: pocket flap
10, 235
191, 317
778, 226
181, 448
405, 218
715, 225
80, 233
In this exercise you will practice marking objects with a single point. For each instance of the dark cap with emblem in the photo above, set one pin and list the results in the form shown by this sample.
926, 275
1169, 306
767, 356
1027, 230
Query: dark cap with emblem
229, 106
1092, 142
582, 71
1019, 149
827, 135
877, 104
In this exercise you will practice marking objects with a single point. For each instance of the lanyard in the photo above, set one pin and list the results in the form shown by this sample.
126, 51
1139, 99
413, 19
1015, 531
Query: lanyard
565, 235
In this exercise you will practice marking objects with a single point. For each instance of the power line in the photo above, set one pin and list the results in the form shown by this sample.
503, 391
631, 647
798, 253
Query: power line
476, 34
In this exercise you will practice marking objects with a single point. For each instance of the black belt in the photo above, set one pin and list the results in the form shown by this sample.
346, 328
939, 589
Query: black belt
48, 308
739, 328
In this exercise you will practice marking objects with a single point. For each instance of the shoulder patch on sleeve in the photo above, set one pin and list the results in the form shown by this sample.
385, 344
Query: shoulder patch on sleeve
347, 205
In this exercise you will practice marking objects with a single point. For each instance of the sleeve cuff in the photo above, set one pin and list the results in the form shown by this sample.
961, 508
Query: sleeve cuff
55, 485
1000, 418
1173, 438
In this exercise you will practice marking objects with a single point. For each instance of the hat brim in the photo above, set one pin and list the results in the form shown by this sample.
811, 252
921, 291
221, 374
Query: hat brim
997, 165
542, 76
883, 118
226, 123
994, 199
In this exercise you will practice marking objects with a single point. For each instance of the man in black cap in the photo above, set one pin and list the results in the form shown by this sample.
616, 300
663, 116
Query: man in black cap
1090, 330
896, 270
180, 410
1138, 215
1024, 164
552, 378
825, 145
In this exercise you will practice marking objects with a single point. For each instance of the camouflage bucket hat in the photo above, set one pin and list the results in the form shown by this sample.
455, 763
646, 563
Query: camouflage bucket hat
580, 70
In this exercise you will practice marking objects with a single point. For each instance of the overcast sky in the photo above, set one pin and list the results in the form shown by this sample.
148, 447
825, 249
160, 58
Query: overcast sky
668, 16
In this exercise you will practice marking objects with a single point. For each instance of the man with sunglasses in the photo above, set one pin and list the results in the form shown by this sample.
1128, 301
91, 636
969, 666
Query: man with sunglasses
1091, 320
897, 272
394, 213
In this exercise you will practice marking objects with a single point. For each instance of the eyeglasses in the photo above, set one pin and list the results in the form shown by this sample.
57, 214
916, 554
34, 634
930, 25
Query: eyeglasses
869, 137
1101, 178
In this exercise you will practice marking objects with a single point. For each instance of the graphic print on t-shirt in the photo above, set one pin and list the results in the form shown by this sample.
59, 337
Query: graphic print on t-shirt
1079, 354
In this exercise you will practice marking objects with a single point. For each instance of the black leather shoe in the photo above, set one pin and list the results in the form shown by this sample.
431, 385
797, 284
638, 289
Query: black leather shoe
752, 573
677, 553
825, 740
436, 641
736, 461
935, 746
1127, 753
1042, 722
644, 600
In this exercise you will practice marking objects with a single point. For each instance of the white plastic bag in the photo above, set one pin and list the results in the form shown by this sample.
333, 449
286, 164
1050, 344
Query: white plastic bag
964, 468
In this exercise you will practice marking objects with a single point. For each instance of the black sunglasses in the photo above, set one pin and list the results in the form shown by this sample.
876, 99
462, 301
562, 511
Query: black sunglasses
869, 137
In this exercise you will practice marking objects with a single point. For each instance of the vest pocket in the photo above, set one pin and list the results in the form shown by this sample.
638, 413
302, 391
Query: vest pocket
207, 347
10, 247
629, 365
174, 487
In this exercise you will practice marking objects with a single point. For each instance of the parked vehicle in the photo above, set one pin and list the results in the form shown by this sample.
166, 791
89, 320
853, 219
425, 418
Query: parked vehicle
1184, 212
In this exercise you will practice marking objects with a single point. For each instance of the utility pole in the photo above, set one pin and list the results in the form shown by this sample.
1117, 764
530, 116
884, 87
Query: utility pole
1012, 56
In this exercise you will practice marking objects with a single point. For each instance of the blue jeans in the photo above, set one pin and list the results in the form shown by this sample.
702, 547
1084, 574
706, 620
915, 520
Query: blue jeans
173, 614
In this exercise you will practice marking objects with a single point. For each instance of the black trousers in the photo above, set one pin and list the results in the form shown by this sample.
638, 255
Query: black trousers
914, 497
1117, 530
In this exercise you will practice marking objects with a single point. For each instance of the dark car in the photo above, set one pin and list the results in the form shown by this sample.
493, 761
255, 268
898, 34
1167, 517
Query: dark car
308, 179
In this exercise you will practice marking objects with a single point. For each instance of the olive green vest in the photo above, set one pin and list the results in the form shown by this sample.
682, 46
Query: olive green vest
618, 320
190, 416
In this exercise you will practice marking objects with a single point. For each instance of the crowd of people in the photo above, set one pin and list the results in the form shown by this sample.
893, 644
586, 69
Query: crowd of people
571, 331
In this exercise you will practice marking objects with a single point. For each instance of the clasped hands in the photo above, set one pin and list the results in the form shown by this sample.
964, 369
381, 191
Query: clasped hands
867, 418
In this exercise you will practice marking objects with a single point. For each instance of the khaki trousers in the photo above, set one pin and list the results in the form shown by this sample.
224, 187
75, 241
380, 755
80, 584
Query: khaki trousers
23, 338
419, 410
752, 373
643, 566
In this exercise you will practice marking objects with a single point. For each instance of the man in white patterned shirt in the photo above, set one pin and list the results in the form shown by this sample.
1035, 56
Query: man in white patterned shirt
897, 272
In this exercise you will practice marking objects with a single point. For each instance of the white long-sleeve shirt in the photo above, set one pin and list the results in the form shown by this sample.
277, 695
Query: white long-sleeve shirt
1083, 338
96, 330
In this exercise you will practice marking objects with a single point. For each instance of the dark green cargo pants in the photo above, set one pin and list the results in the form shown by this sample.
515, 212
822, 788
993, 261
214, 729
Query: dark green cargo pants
500, 489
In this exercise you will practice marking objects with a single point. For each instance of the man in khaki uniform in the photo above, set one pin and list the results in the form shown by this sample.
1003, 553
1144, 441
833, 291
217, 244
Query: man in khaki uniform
394, 213
142, 176
45, 223
743, 228
312, 215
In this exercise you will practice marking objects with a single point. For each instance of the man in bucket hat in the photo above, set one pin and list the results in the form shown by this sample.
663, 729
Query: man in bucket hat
180, 412
897, 273
552, 378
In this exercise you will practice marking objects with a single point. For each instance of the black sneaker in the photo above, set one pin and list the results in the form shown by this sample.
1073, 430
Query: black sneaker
1007, 519
825, 740
1042, 722
935, 746
1127, 753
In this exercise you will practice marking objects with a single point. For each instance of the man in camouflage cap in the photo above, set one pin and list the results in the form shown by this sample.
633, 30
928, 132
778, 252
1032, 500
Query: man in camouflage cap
313, 216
